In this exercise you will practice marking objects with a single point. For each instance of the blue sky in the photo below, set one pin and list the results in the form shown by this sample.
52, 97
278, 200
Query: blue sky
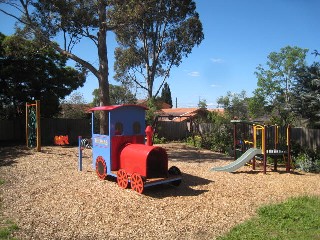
239, 35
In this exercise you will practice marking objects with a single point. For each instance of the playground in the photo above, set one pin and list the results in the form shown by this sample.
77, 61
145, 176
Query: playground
48, 198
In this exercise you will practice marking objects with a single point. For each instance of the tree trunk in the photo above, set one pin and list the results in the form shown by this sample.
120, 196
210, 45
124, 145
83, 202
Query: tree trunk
103, 68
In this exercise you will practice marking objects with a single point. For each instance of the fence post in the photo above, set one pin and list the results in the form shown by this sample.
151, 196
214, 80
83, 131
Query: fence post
80, 154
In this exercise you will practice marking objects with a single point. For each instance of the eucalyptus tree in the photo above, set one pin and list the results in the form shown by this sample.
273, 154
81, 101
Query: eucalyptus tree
235, 104
157, 36
276, 82
69, 22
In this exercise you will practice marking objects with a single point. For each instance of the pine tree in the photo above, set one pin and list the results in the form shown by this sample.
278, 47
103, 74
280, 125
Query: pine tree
306, 100
166, 94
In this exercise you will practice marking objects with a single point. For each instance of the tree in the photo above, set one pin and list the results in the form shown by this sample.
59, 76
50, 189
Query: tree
275, 82
28, 73
235, 104
73, 20
158, 34
166, 94
118, 95
202, 104
305, 97
74, 107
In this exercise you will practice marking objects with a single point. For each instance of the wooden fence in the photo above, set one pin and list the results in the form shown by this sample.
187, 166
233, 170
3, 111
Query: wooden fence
172, 130
13, 131
308, 138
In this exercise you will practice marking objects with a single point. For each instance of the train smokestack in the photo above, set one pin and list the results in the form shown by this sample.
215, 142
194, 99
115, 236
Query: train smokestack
149, 134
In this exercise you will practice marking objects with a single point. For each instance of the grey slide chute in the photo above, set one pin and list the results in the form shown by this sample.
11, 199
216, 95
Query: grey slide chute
240, 162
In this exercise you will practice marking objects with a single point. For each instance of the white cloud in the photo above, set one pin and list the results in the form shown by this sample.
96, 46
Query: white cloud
194, 74
217, 60
214, 85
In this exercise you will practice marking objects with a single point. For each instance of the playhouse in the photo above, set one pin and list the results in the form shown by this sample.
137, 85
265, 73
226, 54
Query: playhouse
125, 154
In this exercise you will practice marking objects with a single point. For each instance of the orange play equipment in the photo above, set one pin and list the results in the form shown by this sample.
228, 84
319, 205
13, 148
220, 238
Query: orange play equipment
61, 140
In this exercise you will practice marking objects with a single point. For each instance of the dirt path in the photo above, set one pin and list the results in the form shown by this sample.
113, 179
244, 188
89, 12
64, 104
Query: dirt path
49, 199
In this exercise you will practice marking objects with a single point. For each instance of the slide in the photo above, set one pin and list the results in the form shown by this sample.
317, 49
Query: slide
240, 162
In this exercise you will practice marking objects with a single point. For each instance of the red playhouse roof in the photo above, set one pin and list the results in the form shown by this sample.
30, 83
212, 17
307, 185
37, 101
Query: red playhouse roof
112, 107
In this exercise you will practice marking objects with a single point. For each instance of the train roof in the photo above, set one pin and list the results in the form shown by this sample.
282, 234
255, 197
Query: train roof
113, 107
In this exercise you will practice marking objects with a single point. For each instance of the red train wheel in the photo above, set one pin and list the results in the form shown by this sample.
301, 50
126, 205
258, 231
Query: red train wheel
137, 183
101, 168
122, 179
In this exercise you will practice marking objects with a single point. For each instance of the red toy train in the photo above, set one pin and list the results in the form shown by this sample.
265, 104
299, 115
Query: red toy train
122, 152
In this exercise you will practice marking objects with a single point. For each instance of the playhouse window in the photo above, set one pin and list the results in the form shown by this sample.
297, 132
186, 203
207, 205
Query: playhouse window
96, 123
136, 128
118, 128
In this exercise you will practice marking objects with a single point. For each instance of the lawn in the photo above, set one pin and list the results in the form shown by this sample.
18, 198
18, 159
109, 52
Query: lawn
296, 218
6, 226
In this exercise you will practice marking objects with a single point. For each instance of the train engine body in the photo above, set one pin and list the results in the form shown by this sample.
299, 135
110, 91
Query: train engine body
122, 152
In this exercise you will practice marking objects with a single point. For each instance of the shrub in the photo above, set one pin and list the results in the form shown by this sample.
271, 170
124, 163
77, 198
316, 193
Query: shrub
308, 161
157, 140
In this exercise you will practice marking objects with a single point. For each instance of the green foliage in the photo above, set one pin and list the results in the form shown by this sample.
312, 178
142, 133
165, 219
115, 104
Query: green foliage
118, 95
305, 99
74, 107
6, 229
157, 140
297, 218
217, 135
166, 94
202, 104
235, 105
156, 37
220, 135
308, 160
275, 83
194, 141
151, 112
28, 73
72, 21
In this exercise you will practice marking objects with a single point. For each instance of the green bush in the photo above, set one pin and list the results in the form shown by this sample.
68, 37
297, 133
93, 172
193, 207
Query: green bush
194, 141
219, 136
157, 140
308, 161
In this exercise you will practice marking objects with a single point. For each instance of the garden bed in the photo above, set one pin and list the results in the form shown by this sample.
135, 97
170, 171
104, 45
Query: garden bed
48, 198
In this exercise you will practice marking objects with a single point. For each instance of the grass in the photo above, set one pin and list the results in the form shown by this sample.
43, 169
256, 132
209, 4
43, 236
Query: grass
6, 227
297, 218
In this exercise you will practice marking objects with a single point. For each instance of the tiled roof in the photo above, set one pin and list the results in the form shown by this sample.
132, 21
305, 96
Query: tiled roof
182, 114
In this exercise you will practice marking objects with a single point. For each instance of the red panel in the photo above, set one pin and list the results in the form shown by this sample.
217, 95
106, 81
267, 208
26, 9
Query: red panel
117, 144
112, 107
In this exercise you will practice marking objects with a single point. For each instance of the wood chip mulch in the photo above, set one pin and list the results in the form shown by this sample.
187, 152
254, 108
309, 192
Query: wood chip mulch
48, 198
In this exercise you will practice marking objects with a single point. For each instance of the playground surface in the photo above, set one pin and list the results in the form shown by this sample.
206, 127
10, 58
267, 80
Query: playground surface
46, 196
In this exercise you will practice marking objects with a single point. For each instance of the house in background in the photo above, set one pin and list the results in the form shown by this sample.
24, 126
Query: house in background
184, 114
179, 123
160, 104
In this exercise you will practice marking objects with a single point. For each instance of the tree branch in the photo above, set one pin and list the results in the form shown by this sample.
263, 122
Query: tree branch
164, 79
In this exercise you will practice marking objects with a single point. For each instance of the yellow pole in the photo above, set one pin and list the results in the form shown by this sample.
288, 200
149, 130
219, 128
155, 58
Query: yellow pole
263, 139
38, 126
255, 136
